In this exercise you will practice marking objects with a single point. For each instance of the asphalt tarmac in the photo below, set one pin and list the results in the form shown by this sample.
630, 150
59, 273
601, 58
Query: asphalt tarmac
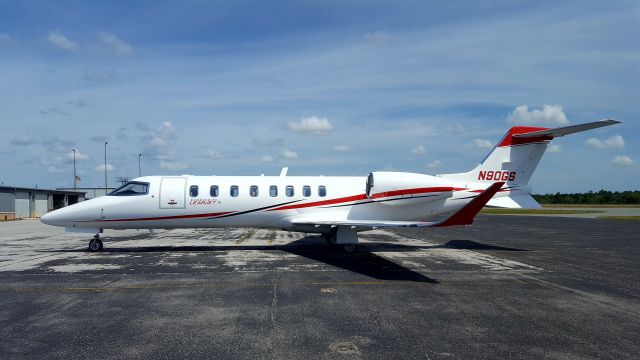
506, 287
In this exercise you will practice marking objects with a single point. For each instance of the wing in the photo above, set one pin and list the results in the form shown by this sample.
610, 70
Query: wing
463, 216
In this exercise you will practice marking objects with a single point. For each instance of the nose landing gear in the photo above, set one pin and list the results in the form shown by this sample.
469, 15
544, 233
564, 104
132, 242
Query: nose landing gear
95, 244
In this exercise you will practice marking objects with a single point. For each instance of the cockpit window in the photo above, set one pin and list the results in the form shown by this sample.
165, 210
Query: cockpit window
131, 188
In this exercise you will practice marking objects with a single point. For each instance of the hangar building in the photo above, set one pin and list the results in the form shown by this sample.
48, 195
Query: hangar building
23, 202
90, 192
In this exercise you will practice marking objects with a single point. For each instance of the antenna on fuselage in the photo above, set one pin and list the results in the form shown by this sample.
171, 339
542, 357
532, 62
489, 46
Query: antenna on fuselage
284, 170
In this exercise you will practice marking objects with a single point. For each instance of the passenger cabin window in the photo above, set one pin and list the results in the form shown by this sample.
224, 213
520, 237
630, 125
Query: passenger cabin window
289, 191
132, 188
273, 191
193, 190
253, 191
322, 191
234, 191
306, 191
214, 191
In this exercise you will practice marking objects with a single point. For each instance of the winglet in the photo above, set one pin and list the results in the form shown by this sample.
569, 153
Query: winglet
465, 215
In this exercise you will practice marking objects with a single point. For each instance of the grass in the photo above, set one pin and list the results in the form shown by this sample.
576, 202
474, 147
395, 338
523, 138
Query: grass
591, 205
538, 211
636, 218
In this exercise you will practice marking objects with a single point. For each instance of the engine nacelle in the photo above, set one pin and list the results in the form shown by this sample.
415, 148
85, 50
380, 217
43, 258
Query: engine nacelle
382, 186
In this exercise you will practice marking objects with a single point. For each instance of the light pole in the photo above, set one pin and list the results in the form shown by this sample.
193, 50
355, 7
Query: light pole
74, 169
105, 168
139, 168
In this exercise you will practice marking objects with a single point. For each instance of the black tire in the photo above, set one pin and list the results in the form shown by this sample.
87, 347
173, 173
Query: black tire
95, 245
350, 248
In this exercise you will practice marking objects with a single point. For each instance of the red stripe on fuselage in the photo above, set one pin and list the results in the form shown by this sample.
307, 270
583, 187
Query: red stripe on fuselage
322, 202
173, 217
364, 197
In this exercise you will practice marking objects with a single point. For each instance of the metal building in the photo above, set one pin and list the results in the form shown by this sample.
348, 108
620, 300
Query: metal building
22, 202
90, 192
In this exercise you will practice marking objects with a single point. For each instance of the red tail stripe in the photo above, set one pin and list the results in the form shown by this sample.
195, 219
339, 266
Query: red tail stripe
465, 215
509, 140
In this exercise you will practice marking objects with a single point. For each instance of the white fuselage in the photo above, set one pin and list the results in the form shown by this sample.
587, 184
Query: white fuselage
173, 202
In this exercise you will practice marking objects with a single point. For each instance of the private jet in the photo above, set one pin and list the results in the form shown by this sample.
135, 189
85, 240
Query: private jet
336, 207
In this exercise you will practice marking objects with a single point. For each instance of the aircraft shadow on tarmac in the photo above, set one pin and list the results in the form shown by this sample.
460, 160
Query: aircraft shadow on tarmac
364, 262
474, 245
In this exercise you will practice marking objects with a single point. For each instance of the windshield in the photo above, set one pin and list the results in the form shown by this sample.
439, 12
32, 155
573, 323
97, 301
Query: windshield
131, 188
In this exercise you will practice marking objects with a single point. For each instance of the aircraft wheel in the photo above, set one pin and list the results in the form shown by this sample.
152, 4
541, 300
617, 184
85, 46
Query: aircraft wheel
350, 248
95, 245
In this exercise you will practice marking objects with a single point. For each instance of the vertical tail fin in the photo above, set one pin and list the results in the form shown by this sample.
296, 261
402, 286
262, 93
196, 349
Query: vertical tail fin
516, 156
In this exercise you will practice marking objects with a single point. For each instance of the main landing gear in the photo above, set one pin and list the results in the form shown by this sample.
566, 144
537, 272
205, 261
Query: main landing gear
350, 248
342, 236
95, 244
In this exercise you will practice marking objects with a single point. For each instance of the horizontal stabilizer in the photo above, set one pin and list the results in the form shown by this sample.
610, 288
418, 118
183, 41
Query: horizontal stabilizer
514, 202
566, 130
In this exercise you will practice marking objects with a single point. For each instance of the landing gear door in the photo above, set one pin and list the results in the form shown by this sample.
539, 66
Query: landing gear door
173, 192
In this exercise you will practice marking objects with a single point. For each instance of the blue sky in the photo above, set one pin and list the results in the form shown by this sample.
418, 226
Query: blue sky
324, 87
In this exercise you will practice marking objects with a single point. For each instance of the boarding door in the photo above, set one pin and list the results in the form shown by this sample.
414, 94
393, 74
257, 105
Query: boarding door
173, 192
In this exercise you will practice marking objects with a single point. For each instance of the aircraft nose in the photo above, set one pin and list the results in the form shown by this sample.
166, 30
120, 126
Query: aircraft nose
50, 218
73, 215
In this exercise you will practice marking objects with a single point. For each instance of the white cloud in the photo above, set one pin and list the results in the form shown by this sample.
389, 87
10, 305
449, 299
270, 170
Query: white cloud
166, 127
342, 148
554, 149
157, 141
595, 143
613, 142
79, 156
288, 154
214, 155
434, 164
418, 150
480, 144
378, 37
100, 168
170, 165
266, 159
550, 115
118, 46
622, 160
61, 41
311, 126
